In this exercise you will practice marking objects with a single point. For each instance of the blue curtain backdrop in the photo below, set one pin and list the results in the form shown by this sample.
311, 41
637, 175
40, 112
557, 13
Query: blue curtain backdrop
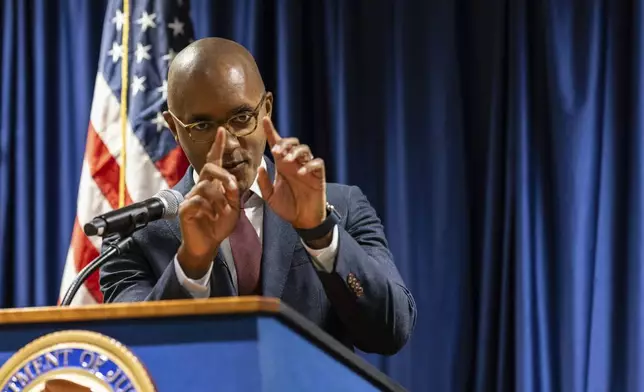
500, 140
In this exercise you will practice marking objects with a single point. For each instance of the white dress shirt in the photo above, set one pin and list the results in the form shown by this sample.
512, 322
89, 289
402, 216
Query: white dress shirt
323, 259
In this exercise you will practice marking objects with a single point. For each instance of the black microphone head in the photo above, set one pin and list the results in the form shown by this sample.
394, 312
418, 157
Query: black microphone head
92, 228
163, 205
171, 200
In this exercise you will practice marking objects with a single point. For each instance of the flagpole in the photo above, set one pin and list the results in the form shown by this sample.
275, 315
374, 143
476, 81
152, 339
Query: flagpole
124, 103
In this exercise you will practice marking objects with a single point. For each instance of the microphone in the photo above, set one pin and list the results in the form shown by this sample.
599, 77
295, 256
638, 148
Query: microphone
126, 220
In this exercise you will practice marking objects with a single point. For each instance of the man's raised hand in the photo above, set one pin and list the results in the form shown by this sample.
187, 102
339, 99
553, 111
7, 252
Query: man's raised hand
298, 194
209, 212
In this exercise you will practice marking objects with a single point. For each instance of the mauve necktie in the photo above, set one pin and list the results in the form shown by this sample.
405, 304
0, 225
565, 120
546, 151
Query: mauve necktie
247, 254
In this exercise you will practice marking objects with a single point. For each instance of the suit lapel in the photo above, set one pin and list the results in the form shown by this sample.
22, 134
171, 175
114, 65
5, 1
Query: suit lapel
183, 186
220, 273
277, 249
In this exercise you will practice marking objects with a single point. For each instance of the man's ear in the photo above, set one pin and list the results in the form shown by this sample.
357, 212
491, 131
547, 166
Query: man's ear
171, 125
269, 104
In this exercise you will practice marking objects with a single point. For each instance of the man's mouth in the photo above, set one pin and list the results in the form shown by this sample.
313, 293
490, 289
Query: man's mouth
235, 165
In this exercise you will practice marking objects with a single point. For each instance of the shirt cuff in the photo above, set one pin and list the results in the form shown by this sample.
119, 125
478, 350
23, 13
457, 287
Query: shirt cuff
199, 288
324, 259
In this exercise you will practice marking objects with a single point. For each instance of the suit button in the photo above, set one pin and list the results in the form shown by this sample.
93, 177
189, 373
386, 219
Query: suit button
354, 284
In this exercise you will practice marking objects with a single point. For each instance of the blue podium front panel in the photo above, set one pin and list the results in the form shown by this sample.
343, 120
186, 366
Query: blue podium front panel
290, 362
212, 353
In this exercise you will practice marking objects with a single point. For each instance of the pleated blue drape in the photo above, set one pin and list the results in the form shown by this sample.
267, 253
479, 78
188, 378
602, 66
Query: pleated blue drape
500, 141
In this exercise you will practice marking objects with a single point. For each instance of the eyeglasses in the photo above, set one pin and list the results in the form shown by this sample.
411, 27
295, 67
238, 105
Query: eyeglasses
239, 125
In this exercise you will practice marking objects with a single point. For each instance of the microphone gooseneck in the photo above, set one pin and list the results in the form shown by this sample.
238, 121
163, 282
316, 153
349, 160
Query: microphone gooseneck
121, 223
114, 249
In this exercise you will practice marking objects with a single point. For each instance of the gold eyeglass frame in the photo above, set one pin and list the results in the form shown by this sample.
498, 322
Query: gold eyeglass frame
226, 124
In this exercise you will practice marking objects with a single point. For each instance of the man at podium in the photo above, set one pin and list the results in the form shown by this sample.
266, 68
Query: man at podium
261, 225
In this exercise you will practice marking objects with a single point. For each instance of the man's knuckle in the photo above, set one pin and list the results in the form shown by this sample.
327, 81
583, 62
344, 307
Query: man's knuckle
199, 200
209, 167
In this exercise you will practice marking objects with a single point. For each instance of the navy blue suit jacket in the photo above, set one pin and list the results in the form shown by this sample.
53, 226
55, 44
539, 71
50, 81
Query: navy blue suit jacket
377, 318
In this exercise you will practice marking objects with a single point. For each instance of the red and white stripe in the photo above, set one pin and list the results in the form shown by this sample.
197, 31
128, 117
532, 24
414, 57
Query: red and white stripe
98, 191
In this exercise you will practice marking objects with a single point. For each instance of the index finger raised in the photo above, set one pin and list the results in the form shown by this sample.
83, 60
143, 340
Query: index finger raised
272, 137
216, 153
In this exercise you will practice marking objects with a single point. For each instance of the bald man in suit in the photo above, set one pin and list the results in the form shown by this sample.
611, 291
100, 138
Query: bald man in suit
261, 225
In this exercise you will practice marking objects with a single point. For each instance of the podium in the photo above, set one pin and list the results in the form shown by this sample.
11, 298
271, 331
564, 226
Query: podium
222, 344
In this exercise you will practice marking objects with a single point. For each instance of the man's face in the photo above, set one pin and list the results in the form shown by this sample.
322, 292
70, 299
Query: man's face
218, 98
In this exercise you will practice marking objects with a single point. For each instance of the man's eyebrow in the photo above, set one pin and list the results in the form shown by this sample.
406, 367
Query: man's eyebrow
199, 117
243, 108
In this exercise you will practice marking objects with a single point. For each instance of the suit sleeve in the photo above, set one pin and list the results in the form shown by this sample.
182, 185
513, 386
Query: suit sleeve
365, 287
129, 278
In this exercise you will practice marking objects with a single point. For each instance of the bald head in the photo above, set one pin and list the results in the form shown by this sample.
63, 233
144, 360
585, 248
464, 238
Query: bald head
223, 65
215, 82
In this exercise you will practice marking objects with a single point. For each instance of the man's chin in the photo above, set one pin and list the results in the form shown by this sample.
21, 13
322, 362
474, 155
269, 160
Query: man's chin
245, 177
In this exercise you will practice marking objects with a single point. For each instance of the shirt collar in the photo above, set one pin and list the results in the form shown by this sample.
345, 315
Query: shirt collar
254, 187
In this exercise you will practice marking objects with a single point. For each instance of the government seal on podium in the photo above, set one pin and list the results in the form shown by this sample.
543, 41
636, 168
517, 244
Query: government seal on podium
74, 361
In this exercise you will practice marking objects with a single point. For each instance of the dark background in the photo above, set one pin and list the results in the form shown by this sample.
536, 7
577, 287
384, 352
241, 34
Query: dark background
499, 140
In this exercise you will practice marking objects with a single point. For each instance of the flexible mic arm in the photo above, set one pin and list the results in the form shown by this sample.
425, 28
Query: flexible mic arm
123, 223
114, 249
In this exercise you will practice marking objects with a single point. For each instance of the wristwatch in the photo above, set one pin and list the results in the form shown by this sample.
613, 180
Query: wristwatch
324, 228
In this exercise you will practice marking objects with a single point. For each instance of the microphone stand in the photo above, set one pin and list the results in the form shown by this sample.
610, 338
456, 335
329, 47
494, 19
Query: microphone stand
116, 248
138, 219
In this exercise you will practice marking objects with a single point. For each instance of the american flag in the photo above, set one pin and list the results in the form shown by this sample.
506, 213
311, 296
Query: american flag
157, 30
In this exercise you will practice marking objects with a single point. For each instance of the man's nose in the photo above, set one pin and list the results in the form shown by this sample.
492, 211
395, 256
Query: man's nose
232, 142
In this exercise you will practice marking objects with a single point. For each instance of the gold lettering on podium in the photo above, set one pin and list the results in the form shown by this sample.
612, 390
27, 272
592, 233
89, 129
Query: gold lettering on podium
37, 364
89, 356
112, 375
14, 387
66, 353
87, 359
22, 379
51, 360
